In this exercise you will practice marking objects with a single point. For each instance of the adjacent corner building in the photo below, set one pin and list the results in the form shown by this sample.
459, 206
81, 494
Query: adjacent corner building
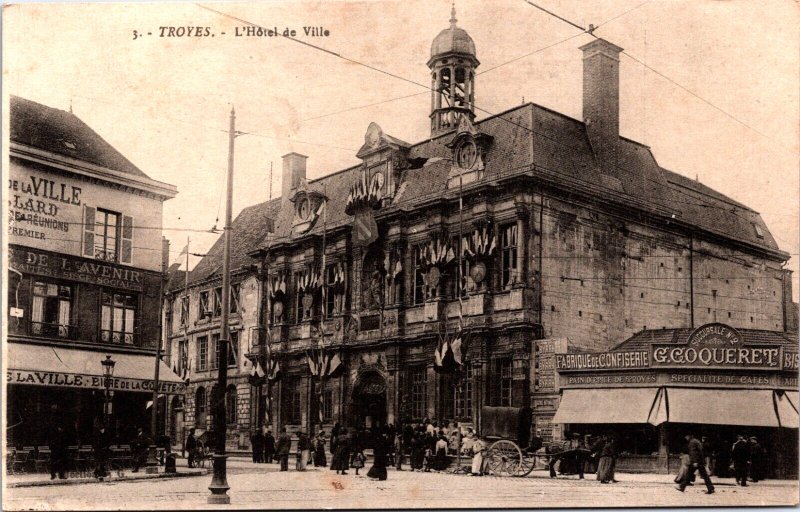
85, 279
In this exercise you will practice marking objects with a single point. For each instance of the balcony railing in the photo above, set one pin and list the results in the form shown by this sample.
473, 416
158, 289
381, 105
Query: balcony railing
53, 330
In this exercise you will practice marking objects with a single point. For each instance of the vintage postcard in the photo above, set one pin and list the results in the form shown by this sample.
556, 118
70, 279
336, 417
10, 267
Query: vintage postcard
400, 254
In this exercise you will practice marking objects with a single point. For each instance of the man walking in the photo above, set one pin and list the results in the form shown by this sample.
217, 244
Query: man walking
696, 463
140, 445
269, 447
740, 455
282, 447
191, 448
58, 453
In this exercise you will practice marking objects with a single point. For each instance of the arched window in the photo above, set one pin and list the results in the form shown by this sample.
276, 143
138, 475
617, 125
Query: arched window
230, 404
200, 407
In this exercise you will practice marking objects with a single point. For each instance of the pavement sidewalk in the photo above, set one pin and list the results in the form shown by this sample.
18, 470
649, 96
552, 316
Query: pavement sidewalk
43, 479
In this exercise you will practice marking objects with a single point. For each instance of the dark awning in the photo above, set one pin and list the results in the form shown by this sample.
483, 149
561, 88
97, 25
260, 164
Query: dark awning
41, 365
611, 405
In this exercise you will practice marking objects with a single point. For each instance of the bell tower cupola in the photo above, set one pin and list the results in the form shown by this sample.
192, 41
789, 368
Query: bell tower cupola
453, 62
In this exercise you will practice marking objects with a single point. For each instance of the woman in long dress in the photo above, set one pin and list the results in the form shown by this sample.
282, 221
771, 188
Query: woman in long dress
341, 456
320, 460
378, 469
478, 449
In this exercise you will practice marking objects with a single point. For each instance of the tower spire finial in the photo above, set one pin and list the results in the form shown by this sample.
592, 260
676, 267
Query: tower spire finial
453, 19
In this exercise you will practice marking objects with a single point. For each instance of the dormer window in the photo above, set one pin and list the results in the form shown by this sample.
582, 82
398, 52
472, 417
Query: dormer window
759, 231
304, 209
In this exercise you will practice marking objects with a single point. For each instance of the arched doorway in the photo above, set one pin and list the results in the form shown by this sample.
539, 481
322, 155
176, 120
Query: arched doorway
369, 400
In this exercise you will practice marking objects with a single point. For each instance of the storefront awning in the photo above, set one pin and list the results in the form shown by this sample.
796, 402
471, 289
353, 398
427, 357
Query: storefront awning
40, 365
746, 407
611, 405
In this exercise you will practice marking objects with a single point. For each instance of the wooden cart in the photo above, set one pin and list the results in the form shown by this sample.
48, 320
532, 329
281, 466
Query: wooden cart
507, 429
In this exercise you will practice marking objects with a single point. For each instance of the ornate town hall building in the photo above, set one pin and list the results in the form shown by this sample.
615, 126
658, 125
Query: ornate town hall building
523, 233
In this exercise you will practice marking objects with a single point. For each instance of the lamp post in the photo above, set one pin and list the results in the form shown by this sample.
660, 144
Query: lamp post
108, 373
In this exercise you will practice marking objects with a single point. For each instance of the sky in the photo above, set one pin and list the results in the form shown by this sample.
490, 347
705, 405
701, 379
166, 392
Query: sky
164, 102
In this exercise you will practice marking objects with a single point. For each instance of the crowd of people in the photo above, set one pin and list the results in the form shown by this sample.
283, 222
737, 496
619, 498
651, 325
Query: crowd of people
431, 446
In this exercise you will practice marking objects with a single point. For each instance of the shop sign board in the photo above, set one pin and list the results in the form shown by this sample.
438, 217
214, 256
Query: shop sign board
716, 346
71, 380
622, 359
712, 346
42, 263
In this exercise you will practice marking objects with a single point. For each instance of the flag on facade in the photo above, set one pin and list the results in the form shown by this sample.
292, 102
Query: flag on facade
365, 229
273, 369
448, 356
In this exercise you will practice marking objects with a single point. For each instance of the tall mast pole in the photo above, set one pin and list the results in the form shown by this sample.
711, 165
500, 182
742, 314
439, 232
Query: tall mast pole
219, 483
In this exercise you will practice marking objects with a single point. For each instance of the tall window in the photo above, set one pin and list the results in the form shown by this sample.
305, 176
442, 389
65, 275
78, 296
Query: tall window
419, 278
291, 402
413, 387
118, 318
327, 404
200, 407
202, 353
233, 342
230, 404
504, 372
234, 302
106, 234
463, 396
204, 306
217, 302
52, 305
184, 311
509, 254
457, 395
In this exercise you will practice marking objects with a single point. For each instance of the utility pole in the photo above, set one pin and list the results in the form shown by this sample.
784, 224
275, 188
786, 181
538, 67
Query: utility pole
219, 482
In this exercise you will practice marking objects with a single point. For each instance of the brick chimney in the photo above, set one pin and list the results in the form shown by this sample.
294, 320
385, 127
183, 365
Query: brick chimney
164, 254
601, 101
294, 170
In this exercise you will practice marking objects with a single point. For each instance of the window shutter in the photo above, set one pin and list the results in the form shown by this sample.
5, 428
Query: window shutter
126, 254
88, 231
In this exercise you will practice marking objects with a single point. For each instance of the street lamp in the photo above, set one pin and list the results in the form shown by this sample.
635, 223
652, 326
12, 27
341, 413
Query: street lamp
108, 373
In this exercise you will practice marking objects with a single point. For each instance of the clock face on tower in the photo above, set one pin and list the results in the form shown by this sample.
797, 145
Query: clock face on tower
466, 155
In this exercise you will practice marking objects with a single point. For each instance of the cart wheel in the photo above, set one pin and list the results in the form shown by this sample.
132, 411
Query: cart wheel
527, 465
504, 458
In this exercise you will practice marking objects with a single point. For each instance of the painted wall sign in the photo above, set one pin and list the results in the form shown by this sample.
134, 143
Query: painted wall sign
41, 263
604, 360
70, 380
36, 206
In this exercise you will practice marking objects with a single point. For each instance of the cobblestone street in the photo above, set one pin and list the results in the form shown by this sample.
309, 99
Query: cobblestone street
263, 486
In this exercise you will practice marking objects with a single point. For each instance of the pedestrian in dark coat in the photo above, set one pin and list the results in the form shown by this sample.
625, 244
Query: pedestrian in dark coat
696, 464
101, 445
379, 455
257, 446
191, 448
758, 460
282, 448
140, 446
341, 456
58, 453
740, 455
269, 447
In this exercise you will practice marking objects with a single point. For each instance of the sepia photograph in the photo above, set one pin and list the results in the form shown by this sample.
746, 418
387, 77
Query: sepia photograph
384, 254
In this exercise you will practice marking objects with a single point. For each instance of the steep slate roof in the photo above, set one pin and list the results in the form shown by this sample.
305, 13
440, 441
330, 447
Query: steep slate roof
643, 339
249, 229
57, 131
559, 149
